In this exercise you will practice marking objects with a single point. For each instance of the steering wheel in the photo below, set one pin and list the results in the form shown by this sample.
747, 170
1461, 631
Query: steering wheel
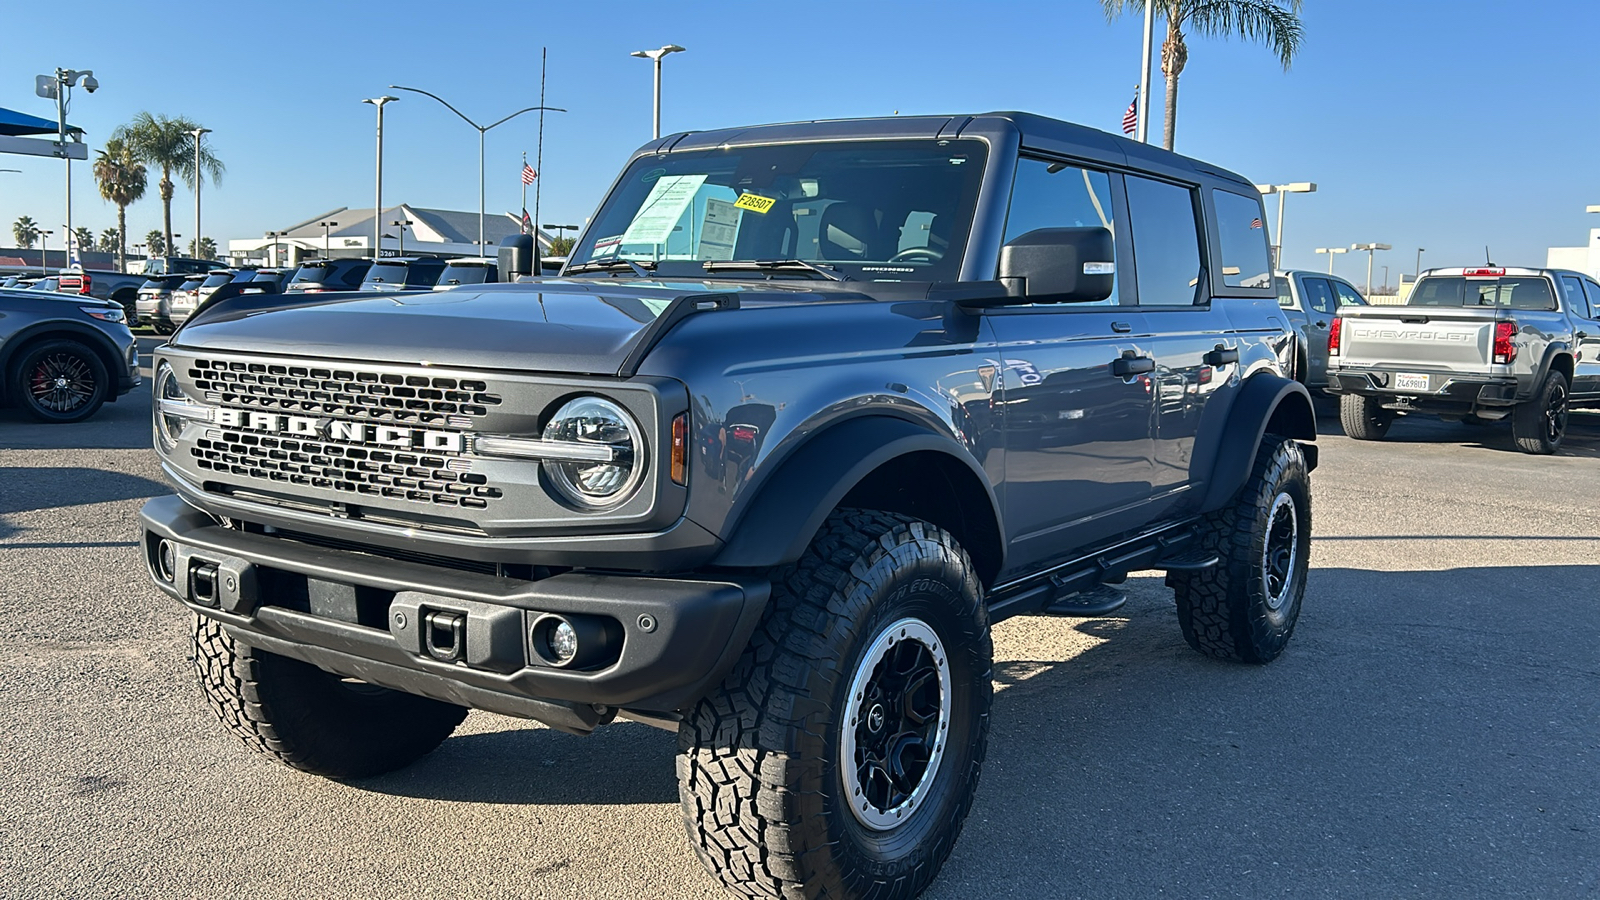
910, 253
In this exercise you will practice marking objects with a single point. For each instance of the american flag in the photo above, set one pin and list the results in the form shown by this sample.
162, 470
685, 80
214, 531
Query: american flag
528, 174
1255, 223
1130, 119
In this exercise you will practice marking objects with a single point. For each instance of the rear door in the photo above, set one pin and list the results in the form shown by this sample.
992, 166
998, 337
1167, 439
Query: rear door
1322, 305
1077, 417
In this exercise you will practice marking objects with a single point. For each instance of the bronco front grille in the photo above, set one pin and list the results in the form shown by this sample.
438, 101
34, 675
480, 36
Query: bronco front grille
326, 390
392, 474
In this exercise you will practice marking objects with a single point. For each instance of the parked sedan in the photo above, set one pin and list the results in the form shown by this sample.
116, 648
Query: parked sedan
62, 357
1312, 300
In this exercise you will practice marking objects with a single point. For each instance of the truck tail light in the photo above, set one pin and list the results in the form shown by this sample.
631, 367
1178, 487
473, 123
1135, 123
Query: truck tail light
1504, 350
75, 284
680, 449
1333, 336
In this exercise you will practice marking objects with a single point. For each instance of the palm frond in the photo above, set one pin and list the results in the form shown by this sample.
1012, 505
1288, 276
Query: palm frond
1275, 23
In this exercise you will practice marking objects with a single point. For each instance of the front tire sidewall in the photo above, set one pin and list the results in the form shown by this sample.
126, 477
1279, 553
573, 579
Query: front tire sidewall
21, 382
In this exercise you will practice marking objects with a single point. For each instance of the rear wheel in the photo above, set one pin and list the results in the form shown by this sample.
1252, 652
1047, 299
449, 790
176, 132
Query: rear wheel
59, 381
1539, 424
313, 720
1364, 418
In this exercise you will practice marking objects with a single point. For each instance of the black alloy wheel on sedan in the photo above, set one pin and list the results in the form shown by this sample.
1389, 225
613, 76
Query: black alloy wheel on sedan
59, 381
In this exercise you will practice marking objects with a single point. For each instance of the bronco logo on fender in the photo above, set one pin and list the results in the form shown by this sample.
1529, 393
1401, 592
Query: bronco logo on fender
339, 430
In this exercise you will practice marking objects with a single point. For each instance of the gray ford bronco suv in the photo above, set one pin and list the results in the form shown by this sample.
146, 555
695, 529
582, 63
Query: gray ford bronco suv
810, 407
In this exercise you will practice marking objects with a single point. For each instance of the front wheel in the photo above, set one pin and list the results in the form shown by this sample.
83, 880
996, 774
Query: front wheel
1539, 424
1364, 418
839, 757
59, 381
1245, 607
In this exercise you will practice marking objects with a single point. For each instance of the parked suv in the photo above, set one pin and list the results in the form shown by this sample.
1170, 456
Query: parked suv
395, 274
154, 304
1312, 301
468, 271
810, 408
1481, 344
328, 275
62, 357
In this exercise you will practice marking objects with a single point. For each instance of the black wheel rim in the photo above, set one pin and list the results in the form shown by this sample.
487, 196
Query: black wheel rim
1555, 415
1281, 551
61, 382
894, 735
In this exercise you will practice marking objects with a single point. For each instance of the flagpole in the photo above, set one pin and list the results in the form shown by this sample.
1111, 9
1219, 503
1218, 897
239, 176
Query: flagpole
538, 159
1144, 72
524, 186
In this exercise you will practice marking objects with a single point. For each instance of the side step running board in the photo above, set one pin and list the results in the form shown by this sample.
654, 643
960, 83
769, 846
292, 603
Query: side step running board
1099, 601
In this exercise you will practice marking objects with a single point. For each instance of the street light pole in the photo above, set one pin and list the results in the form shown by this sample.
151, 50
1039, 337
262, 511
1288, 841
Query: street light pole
1294, 187
1331, 251
377, 202
58, 87
1419, 264
1372, 250
327, 239
44, 255
482, 130
1143, 135
401, 230
198, 132
655, 56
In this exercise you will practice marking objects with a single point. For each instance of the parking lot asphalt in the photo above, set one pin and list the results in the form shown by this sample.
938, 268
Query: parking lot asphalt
1433, 729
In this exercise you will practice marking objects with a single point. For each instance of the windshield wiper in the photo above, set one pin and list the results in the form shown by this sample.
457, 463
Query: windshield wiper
772, 265
612, 264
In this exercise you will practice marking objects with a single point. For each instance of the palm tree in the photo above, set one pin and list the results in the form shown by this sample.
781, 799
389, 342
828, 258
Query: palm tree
83, 238
26, 232
207, 249
168, 144
154, 243
110, 241
1273, 22
122, 181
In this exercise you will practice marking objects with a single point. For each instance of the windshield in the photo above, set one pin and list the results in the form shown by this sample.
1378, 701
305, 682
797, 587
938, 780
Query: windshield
870, 210
1528, 292
466, 273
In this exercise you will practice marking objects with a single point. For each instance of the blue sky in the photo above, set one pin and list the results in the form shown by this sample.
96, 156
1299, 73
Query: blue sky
1446, 125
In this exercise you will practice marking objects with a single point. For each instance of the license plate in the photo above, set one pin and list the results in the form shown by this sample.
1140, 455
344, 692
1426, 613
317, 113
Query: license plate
1405, 381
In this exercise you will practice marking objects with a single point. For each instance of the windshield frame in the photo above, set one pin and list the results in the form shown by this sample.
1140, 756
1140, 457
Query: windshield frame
805, 196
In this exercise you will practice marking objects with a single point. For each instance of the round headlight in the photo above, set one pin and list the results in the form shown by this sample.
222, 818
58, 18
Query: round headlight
591, 422
168, 428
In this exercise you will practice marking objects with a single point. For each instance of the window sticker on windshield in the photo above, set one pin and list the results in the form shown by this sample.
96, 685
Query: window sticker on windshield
755, 203
668, 198
719, 229
607, 245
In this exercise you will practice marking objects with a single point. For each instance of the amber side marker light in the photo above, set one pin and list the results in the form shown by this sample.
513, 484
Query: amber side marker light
680, 449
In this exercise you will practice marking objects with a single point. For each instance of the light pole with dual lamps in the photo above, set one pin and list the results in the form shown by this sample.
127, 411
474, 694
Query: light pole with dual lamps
400, 229
655, 56
1331, 251
1371, 251
44, 255
327, 238
1293, 187
377, 202
275, 257
482, 130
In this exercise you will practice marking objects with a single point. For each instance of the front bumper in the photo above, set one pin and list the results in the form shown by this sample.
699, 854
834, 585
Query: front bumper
1444, 389
668, 639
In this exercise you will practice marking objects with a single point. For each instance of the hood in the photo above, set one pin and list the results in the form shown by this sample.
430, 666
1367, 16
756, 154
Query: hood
580, 327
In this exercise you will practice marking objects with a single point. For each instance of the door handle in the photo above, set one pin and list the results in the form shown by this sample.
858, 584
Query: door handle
1582, 334
1322, 324
1222, 356
1121, 327
1123, 366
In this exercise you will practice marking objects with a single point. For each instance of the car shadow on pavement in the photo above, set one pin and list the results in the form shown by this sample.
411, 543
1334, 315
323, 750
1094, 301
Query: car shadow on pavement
23, 489
1422, 728
1582, 439
621, 764
123, 425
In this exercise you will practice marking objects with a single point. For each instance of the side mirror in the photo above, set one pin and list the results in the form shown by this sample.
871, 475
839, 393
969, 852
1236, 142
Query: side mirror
516, 256
1059, 265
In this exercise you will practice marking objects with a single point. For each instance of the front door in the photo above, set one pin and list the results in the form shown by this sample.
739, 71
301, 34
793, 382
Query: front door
1585, 314
1322, 305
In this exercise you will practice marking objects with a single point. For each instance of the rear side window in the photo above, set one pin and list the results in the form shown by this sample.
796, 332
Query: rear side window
1285, 298
1348, 296
1166, 243
1593, 290
1056, 195
1319, 295
1246, 261
1572, 289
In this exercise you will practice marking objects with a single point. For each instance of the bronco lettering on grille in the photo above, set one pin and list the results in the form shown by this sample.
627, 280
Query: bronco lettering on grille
338, 430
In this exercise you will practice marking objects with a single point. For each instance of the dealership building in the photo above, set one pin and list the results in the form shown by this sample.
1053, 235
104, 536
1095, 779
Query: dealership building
1584, 259
408, 230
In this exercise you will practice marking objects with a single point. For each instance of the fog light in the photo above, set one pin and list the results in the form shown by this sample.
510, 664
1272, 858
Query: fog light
563, 642
166, 561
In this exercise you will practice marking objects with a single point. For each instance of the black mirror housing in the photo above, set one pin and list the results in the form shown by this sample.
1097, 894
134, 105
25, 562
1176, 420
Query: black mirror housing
516, 256
1059, 265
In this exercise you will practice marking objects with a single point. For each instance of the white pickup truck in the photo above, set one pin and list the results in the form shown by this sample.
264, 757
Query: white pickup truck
1479, 344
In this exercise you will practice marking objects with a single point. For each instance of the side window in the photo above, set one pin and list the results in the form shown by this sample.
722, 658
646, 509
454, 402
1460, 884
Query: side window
1319, 295
1166, 243
1285, 299
1056, 195
1593, 290
1572, 290
1348, 296
1246, 262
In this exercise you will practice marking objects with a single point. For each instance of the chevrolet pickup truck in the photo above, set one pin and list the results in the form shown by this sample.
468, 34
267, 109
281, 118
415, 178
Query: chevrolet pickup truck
1482, 344
808, 409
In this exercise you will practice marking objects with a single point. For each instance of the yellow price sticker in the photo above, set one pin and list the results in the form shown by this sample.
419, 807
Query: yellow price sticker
755, 203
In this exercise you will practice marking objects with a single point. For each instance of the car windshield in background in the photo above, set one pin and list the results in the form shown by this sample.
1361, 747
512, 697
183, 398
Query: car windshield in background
387, 273
1527, 292
464, 274
877, 211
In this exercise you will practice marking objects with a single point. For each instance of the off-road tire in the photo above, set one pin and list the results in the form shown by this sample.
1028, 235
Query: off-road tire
1229, 611
88, 375
313, 720
759, 763
1539, 424
1364, 418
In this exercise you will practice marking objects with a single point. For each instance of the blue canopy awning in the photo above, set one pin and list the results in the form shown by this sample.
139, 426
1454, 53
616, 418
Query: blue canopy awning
18, 124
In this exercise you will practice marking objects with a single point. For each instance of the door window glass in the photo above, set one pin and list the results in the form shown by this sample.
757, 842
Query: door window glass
1593, 290
1319, 295
1246, 261
1166, 243
1285, 299
1348, 296
1056, 195
1572, 289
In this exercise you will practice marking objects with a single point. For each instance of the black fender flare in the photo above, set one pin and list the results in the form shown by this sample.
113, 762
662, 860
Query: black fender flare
96, 340
790, 505
1263, 400
1554, 350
